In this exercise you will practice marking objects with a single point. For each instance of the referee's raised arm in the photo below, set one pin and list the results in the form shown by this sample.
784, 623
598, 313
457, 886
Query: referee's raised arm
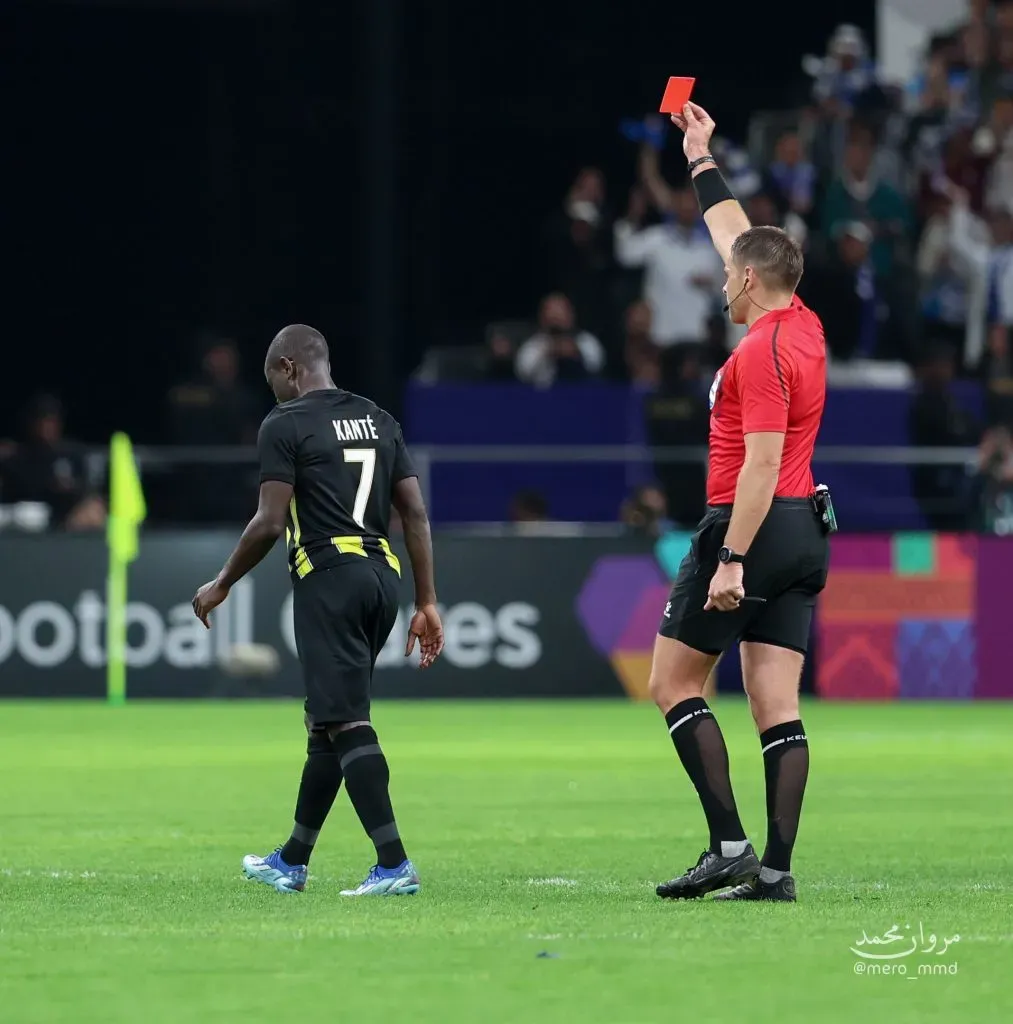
725, 218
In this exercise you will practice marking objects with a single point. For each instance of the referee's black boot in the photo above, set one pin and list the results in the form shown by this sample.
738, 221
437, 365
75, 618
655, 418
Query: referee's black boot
781, 891
711, 871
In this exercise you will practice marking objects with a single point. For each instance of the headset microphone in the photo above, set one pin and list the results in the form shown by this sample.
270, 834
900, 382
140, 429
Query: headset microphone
728, 304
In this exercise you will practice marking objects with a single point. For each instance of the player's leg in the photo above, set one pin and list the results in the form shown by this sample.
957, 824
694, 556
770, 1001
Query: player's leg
772, 657
363, 763
686, 651
321, 780
678, 676
286, 868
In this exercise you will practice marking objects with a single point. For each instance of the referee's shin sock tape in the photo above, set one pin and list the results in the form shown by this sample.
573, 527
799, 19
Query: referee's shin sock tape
367, 777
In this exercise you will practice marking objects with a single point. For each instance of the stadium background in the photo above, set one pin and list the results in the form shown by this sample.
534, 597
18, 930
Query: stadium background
183, 177
191, 176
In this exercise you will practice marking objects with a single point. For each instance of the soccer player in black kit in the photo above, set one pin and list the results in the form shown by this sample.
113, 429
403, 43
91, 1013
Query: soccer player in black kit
331, 465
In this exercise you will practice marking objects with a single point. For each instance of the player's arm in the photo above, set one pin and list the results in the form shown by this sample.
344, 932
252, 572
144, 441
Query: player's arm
411, 507
261, 533
406, 497
754, 492
722, 213
763, 378
276, 447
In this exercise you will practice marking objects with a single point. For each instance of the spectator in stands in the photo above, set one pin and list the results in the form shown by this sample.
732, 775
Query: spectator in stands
943, 77
999, 316
646, 512
677, 416
643, 363
937, 420
560, 351
851, 301
790, 180
999, 79
844, 74
970, 66
529, 507
994, 143
577, 248
943, 281
961, 167
932, 103
215, 408
501, 356
762, 209
981, 251
50, 470
857, 195
682, 273
992, 486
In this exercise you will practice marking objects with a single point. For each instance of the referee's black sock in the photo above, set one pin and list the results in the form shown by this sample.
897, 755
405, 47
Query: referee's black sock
786, 767
366, 779
321, 780
701, 748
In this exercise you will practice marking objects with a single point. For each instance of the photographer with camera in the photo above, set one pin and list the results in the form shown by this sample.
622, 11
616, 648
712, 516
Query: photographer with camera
559, 351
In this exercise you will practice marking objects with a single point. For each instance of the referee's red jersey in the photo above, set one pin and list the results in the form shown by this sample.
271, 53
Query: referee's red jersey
775, 380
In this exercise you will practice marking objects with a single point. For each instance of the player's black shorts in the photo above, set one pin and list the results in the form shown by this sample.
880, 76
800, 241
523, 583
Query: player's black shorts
342, 617
786, 565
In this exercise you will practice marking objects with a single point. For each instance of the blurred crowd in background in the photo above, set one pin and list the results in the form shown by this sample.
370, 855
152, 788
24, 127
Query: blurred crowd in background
901, 194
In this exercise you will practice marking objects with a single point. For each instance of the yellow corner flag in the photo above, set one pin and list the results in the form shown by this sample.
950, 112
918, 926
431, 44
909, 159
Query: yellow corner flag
126, 513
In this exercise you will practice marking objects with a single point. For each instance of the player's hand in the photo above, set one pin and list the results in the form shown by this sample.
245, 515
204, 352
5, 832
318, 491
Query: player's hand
207, 599
726, 591
427, 628
698, 127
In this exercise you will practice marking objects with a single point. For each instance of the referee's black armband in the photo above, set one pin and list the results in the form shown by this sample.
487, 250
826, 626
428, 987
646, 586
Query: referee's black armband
710, 189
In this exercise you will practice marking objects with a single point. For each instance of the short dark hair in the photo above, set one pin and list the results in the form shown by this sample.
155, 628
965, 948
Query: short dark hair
773, 253
299, 343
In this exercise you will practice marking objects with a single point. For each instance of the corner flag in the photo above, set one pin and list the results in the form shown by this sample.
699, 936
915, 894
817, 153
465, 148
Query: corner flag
126, 513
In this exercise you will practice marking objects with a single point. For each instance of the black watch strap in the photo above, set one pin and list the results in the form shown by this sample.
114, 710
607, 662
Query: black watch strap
694, 164
727, 555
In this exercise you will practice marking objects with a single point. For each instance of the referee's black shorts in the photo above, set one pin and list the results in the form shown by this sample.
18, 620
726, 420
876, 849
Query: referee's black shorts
342, 618
786, 565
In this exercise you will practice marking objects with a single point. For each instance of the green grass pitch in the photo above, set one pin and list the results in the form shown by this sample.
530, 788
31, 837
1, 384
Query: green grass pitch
537, 828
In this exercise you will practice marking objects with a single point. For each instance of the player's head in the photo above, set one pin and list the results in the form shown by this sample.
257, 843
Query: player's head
762, 273
297, 356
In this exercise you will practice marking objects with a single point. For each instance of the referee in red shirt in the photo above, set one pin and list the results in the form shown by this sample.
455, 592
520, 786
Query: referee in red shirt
759, 556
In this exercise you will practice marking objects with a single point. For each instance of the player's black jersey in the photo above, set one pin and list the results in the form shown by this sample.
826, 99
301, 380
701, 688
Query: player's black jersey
342, 454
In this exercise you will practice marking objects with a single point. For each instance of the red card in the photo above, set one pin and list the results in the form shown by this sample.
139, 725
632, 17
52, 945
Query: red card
677, 94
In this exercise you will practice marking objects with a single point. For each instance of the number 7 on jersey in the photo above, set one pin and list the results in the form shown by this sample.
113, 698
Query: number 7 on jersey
366, 457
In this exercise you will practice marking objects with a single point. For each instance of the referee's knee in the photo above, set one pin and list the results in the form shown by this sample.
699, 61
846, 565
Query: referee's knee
668, 689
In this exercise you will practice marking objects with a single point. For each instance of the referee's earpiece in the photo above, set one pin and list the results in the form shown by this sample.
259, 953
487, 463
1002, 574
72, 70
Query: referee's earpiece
742, 291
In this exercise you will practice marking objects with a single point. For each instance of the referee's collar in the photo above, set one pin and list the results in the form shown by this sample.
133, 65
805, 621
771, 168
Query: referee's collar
776, 315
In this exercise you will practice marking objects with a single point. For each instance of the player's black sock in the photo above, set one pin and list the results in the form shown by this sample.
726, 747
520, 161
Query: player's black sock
701, 748
366, 778
786, 767
321, 779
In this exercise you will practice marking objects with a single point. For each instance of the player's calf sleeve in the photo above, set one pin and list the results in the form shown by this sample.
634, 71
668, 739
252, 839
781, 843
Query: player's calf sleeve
321, 780
786, 768
366, 778
701, 748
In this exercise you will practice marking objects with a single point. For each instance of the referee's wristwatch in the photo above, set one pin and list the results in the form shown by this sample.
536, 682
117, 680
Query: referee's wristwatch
726, 555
